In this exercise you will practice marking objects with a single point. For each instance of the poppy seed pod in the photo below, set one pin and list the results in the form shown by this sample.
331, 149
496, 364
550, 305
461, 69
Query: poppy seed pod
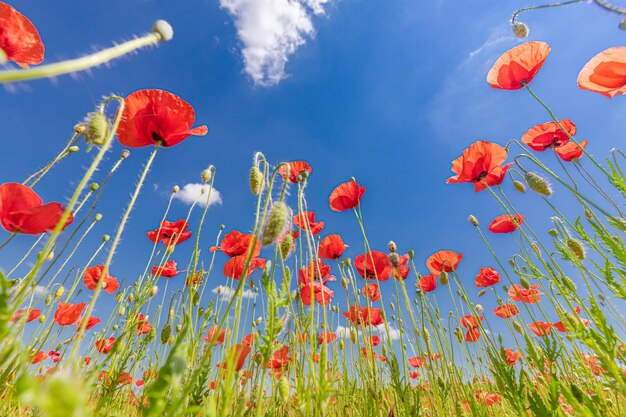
256, 180
538, 184
344, 283
520, 30
276, 222
577, 247
519, 186
411, 253
163, 29
97, 129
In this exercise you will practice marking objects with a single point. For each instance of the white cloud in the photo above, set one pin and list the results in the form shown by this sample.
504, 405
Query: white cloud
271, 31
39, 290
226, 293
191, 193
393, 334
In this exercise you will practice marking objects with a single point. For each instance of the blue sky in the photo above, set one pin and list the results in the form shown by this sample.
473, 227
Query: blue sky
388, 92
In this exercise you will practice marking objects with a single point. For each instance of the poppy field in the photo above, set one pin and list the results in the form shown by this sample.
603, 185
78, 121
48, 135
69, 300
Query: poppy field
295, 326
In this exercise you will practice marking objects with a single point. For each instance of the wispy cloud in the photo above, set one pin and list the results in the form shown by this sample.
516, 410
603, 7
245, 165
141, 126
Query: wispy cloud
226, 293
270, 31
191, 193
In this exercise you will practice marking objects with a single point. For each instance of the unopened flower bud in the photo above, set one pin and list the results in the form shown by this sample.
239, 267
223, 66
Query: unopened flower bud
175, 189
256, 180
473, 220
286, 245
206, 175
392, 306
125, 154
121, 311
283, 389
536, 249
519, 186
394, 259
48, 300
130, 297
392, 246
94, 186
80, 128
97, 129
411, 253
97, 217
353, 336
622, 25
576, 247
276, 222
153, 291
73, 149
443, 278
59, 293
166, 331
481, 293
42, 318
344, 283
518, 327
538, 184
524, 282
520, 30
259, 320
106, 238
479, 308
553, 232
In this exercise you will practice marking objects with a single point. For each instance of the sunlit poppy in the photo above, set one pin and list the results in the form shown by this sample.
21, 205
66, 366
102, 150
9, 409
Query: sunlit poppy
372, 292
23, 211
331, 247
519, 293
506, 223
512, 356
518, 66
605, 73
156, 117
306, 221
571, 151
55, 356
312, 284
480, 164
170, 233
414, 374
470, 322
139, 382
125, 378
105, 345
91, 322
143, 327
346, 196
235, 266
279, 360
444, 260
374, 340
488, 398
19, 39
236, 243
373, 265
298, 170
364, 316
506, 311
68, 314
399, 266
427, 283
326, 337
38, 357
317, 270
593, 363
195, 278
472, 335
248, 339
540, 328
417, 362
216, 335
93, 275
33, 314
487, 277
549, 135
166, 271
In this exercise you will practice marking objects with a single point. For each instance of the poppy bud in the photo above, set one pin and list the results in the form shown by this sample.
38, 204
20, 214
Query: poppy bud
393, 317
426, 336
118, 297
536, 249
105, 238
163, 29
97, 129
601, 296
179, 327
153, 291
115, 327
401, 322
519, 186
48, 300
286, 245
151, 335
334, 309
392, 246
505, 288
520, 30
443, 278
170, 249
283, 389
73, 149
622, 25
50, 256
175, 189
276, 222
538, 184
206, 175
353, 336
577, 247
569, 284
473, 220
256, 180
171, 340
125, 154
344, 283
479, 308
518, 327
121, 311
171, 314
524, 283
80, 128
392, 306
94, 186
195, 298
459, 334
42, 318
342, 345
553, 232
411, 253
481, 293
130, 297
59, 293
166, 331
259, 320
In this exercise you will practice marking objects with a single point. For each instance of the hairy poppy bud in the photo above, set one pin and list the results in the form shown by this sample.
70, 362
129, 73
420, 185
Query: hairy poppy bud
443, 278
276, 222
538, 184
119, 297
286, 245
48, 300
175, 189
520, 30
553, 232
42, 318
73, 149
393, 317
206, 175
353, 336
80, 128
577, 247
588, 214
394, 259
121, 311
59, 293
163, 29
392, 246
473, 220
259, 320
411, 253
115, 327
342, 344
519, 186
153, 291
151, 335
97, 129
94, 186
283, 389
524, 282
536, 249
459, 334
256, 180
166, 331
481, 293
518, 327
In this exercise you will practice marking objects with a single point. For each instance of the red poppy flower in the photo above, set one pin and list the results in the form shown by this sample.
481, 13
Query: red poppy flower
19, 39
427, 283
166, 271
170, 233
235, 266
472, 335
139, 382
92, 277
156, 117
143, 327
571, 151
32, 315
236, 243
540, 328
605, 73
480, 164
374, 340
371, 291
444, 260
414, 374
312, 288
373, 265
316, 270
91, 322
518, 66
592, 362
512, 356
506, 311
248, 339
471, 322
331, 247
68, 314
105, 345
196, 278
521, 294
417, 362
23, 211
400, 270
55, 356
488, 398
506, 223
279, 360
364, 316
561, 327
487, 277
326, 337
215, 335
549, 135
307, 219
369, 354
125, 378
346, 196
38, 357
298, 170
